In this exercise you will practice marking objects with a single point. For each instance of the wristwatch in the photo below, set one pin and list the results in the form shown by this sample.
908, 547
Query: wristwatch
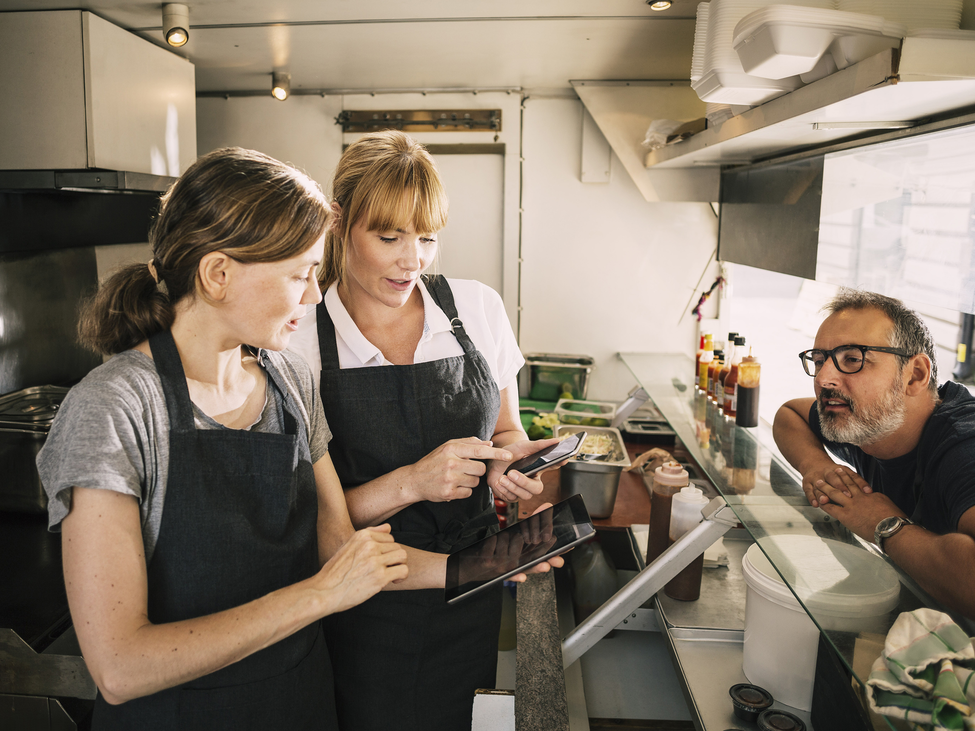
888, 527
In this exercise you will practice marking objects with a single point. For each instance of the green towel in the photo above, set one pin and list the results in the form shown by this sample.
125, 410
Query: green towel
925, 673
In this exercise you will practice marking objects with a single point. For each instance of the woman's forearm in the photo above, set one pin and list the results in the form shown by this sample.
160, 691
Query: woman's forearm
127, 655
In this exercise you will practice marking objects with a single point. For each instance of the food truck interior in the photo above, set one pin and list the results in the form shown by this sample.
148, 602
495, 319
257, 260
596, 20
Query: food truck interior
628, 176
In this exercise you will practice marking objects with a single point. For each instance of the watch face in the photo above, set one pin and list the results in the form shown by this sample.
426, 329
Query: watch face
888, 525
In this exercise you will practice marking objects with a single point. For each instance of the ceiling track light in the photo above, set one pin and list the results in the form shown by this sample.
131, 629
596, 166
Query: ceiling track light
280, 85
659, 4
176, 24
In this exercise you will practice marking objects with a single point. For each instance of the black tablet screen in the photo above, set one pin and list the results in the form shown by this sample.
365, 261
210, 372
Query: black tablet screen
517, 547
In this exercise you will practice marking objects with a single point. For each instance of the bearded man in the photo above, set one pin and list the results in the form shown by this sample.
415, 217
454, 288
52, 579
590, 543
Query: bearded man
911, 444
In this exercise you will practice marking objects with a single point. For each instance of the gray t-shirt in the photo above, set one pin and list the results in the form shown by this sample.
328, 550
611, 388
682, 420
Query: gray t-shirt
112, 433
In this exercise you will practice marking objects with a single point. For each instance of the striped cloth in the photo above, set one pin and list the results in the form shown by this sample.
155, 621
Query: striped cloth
925, 673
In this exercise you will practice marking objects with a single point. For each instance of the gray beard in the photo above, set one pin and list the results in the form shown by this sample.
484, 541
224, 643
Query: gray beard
863, 425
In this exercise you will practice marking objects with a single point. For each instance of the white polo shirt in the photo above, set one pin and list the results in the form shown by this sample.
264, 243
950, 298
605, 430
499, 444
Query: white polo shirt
479, 307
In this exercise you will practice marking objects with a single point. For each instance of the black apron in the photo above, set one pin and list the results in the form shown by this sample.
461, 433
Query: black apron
239, 522
406, 660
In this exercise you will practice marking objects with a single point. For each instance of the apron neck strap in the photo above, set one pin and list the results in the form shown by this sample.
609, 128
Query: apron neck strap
170, 369
441, 293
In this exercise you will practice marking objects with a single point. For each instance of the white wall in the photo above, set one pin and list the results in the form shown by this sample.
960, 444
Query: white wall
300, 131
603, 271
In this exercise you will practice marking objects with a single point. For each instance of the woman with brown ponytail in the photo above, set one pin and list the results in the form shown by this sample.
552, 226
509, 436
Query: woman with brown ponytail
205, 531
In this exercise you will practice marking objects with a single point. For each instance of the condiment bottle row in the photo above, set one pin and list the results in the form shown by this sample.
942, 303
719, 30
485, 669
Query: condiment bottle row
729, 378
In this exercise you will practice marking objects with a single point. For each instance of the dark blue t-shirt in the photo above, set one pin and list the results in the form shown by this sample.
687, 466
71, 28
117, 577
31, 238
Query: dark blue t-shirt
935, 482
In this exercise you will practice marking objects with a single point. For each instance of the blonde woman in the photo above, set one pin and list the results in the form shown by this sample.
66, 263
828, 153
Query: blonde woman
204, 529
418, 377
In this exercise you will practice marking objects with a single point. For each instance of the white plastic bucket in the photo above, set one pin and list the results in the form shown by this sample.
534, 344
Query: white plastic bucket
845, 587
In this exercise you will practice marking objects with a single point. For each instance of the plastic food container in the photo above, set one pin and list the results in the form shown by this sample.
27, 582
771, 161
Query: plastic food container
783, 40
845, 587
585, 413
597, 480
546, 376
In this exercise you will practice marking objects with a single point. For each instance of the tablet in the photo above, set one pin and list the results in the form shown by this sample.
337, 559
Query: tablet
550, 456
517, 547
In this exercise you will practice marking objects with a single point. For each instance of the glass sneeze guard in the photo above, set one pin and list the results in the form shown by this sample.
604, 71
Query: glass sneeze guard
767, 498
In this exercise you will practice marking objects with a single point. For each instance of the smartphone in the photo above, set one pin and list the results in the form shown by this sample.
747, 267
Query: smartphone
550, 456
517, 548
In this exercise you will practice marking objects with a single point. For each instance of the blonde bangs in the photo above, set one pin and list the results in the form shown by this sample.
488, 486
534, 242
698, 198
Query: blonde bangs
411, 196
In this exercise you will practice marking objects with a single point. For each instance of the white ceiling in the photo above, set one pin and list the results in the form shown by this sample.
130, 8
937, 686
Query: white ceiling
536, 45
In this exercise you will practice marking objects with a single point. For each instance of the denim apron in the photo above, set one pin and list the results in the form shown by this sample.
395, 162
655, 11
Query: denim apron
405, 660
239, 522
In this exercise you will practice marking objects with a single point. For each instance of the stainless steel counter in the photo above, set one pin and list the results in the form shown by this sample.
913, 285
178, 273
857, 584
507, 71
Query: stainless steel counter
707, 636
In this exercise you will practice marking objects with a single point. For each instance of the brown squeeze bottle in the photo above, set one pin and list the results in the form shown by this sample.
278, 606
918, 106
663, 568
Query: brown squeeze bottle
749, 374
729, 405
714, 367
668, 479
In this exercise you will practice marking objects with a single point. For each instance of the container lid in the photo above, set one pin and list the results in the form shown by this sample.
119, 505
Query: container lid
831, 578
671, 473
773, 719
692, 495
586, 413
31, 405
750, 697
558, 359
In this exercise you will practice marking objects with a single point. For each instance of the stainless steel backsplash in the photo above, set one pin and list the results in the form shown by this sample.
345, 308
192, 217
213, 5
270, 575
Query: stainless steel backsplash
39, 298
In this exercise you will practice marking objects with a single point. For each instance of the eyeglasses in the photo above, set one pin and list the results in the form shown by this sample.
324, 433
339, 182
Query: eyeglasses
847, 358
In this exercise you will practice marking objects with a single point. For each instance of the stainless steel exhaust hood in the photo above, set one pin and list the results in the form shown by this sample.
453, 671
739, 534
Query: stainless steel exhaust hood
104, 181
90, 108
65, 209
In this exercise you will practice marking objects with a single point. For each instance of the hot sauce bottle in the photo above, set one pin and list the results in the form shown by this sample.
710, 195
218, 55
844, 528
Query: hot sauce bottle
729, 356
697, 361
749, 374
729, 403
703, 362
714, 367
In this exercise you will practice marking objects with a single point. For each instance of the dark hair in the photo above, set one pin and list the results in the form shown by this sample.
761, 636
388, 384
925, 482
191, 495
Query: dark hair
909, 332
242, 202
387, 180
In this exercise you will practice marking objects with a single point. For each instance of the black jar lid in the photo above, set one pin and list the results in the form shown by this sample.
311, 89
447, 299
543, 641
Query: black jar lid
749, 696
749, 700
775, 720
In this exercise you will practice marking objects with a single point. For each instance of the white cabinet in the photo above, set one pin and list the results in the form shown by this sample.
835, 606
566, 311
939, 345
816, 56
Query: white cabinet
79, 92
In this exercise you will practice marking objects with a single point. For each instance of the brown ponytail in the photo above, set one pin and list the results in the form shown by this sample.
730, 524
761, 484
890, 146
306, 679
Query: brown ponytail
242, 202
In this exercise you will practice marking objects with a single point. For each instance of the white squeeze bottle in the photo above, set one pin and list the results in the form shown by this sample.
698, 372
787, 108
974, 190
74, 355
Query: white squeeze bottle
684, 517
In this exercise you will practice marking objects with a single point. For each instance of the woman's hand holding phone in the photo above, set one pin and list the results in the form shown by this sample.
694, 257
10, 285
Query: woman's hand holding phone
512, 486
